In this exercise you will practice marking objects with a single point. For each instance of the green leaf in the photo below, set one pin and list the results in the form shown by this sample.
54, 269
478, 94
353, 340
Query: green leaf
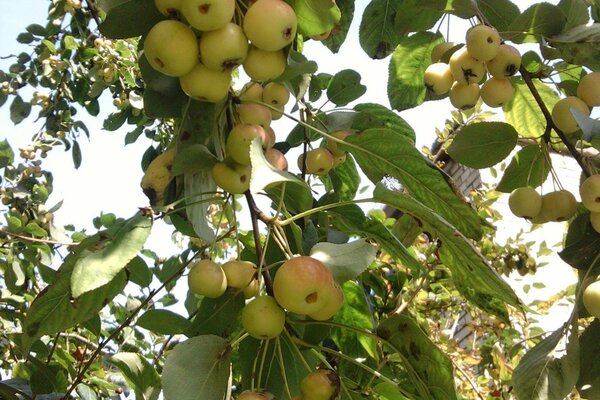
316, 16
163, 322
115, 120
345, 87
383, 152
499, 13
460, 8
76, 154
339, 33
430, 369
483, 144
159, 105
529, 167
406, 85
97, 268
522, 111
371, 115
130, 19
412, 17
532, 62
7, 156
582, 245
193, 158
588, 383
345, 261
139, 272
469, 268
377, 33
579, 45
542, 19
37, 30
576, 11
218, 316
345, 180
199, 189
19, 110
197, 369
541, 376
25, 38
139, 374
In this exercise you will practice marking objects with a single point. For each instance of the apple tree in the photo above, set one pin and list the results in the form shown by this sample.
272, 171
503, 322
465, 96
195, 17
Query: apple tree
291, 284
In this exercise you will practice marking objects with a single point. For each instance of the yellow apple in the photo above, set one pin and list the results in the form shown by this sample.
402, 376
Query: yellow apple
466, 69
242, 275
206, 278
232, 177
239, 140
206, 84
332, 306
171, 48
276, 159
591, 298
464, 96
560, 205
263, 318
483, 42
438, 78
562, 116
506, 63
497, 91
525, 202
588, 89
208, 15
224, 49
322, 384
439, 50
590, 193
262, 65
270, 24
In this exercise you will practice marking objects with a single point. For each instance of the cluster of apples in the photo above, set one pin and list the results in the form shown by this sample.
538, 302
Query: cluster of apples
526, 202
590, 197
302, 285
204, 67
322, 384
588, 97
467, 66
321, 160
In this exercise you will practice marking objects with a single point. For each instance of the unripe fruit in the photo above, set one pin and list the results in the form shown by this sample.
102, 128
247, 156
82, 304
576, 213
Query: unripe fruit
171, 48
497, 91
242, 275
252, 91
590, 193
321, 36
463, 96
483, 42
562, 116
224, 49
253, 395
168, 7
595, 220
465, 68
589, 89
302, 285
263, 318
333, 305
318, 161
261, 65
439, 50
270, 138
206, 278
239, 140
338, 160
558, 206
322, 384
276, 94
438, 78
270, 24
525, 202
208, 15
257, 114
205, 84
591, 298
276, 159
506, 63
332, 145
231, 177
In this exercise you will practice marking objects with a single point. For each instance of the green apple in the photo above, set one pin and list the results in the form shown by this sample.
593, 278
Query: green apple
206, 278
239, 140
466, 69
263, 318
332, 145
337, 160
438, 78
276, 159
560, 205
206, 84
318, 161
262, 65
276, 94
525, 202
464, 96
495, 92
242, 275
439, 50
483, 42
591, 298
256, 114
562, 116
232, 177
224, 49
251, 92
171, 48
208, 15
588, 89
321, 36
332, 306
255, 395
302, 285
590, 193
168, 7
506, 63
322, 384
270, 24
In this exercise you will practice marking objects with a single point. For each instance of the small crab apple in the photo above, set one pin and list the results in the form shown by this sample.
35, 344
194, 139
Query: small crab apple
558, 206
506, 63
263, 318
465, 68
224, 49
206, 84
588, 89
255, 395
322, 384
562, 116
206, 278
168, 7
242, 275
439, 50
239, 140
251, 113
591, 298
321, 36
276, 159
525, 202
590, 193
251, 92
332, 145
339, 160
232, 177
333, 305
208, 15
171, 48
270, 138
302, 285
276, 94
318, 161
483, 42
262, 65
438, 78
497, 91
270, 24
464, 96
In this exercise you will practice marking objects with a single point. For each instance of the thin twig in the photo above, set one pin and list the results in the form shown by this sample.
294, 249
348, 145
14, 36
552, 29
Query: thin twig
257, 242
